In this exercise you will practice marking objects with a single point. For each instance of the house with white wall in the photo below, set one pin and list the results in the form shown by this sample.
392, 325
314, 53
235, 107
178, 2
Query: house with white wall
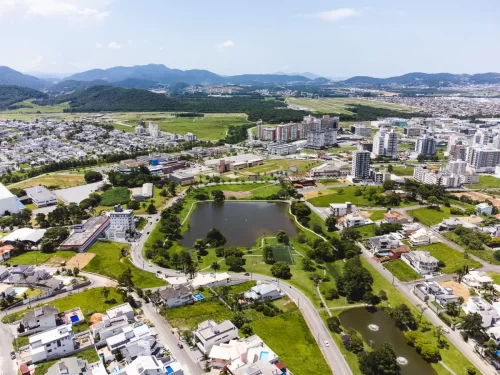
43, 318
422, 261
210, 333
422, 237
482, 307
57, 341
176, 295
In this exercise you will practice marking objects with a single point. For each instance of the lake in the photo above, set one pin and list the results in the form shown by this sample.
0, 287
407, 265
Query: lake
360, 318
242, 223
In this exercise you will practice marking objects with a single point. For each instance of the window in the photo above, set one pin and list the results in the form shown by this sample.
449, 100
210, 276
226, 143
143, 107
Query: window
49, 351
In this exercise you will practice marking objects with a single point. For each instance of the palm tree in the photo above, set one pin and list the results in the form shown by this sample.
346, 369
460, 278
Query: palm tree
105, 293
215, 266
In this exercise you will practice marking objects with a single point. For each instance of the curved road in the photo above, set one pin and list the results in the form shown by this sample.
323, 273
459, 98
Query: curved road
332, 354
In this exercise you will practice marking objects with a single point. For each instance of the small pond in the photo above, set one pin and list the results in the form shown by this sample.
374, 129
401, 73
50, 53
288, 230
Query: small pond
242, 223
377, 327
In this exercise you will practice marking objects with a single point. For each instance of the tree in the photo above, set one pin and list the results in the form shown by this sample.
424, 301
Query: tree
125, 279
331, 222
267, 254
357, 345
433, 201
239, 319
215, 238
76, 271
247, 330
350, 234
282, 270
473, 324
282, 237
200, 246
334, 324
307, 265
381, 361
218, 196
105, 292
92, 176
355, 281
429, 352
390, 168
235, 263
172, 188
388, 185
151, 208
403, 317
340, 191
215, 266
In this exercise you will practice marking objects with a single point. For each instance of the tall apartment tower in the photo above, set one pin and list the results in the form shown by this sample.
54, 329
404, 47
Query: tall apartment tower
426, 145
385, 143
320, 132
260, 133
360, 167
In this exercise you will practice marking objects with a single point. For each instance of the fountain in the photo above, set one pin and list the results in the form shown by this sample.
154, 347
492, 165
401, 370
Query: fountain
402, 361
373, 327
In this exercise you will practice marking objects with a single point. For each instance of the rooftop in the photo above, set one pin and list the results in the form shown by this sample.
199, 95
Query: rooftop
119, 310
5, 193
25, 234
209, 328
51, 335
91, 226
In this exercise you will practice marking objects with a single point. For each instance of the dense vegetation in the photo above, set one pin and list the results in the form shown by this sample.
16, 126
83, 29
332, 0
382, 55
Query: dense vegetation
14, 94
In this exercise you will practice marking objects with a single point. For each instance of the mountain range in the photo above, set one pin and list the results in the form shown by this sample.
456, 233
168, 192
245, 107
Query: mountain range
156, 76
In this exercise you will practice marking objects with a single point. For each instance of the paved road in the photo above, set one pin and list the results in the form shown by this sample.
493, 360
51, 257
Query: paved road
165, 333
7, 365
453, 336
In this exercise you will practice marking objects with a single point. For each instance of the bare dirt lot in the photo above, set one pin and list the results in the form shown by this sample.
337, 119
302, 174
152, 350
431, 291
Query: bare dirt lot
237, 194
480, 197
458, 289
79, 260
95, 318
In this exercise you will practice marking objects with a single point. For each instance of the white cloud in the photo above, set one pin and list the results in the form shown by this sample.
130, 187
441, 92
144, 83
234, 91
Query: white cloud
87, 9
162, 48
114, 45
99, 45
225, 45
337, 14
130, 41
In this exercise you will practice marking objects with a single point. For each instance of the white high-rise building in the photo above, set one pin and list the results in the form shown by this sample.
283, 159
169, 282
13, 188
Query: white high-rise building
385, 143
457, 167
122, 220
319, 132
426, 145
153, 130
360, 167
260, 133
483, 159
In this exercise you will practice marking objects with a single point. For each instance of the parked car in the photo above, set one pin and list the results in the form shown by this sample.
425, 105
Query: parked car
12, 355
180, 345
327, 344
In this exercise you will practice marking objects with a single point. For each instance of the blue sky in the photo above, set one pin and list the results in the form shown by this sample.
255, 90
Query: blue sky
331, 38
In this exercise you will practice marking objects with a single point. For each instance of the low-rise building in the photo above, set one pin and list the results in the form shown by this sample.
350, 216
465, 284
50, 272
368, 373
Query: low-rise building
29, 236
9, 204
394, 218
84, 235
477, 279
57, 341
5, 251
484, 209
42, 318
176, 295
422, 237
330, 170
264, 292
121, 310
41, 196
355, 220
382, 244
210, 333
482, 307
422, 261
149, 365
211, 280
396, 253
182, 178
70, 366
341, 209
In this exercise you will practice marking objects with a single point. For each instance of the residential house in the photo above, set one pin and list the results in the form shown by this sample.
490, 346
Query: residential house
394, 218
484, 209
264, 292
422, 261
128, 335
5, 251
70, 366
341, 209
210, 280
121, 310
149, 365
4, 272
477, 279
210, 333
478, 305
109, 327
396, 253
176, 295
445, 299
241, 353
494, 333
382, 244
422, 237
53, 342
353, 221
44, 318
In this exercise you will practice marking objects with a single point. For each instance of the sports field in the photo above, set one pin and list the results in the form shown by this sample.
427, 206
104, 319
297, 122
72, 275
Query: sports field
276, 165
283, 253
340, 105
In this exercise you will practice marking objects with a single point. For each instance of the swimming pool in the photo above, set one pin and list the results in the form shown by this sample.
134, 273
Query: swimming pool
20, 291
198, 296
169, 369
264, 356
383, 254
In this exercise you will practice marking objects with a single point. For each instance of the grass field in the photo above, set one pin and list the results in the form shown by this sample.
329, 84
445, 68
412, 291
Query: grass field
486, 254
332, 196
88, 300
453, 259
31, 108
37, 257
118, 195
275, 165
283, 254
208, 127
251, 190
377, 215
402, 271
486, 182
367, 231
188, 317
495, 276
53, 181
429, 216
402, 170
341, 105
108, 262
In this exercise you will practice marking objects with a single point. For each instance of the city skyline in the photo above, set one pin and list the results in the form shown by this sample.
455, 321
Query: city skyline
68, 36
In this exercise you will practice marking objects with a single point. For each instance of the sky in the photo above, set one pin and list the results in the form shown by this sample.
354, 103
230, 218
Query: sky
378, 38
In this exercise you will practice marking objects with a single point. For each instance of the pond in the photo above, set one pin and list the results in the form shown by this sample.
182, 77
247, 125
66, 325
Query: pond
377, 327
242, 223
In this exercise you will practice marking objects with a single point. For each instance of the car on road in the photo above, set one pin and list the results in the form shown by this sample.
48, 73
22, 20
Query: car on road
12, 355
446, 330
148, 232
247, 273
274, 280
180, 345
327, 344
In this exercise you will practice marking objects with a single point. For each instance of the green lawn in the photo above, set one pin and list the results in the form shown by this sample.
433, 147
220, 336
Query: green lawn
89, 355
495, 276
486, 182
402, 271
452, 258
108, 262
37, 257
52, 181
367, 231
158, 201
486, 254
89, 301
429, 216
402, 170
341, 105
188, 317
332, 196
377, 215
240, 288
289, 336
272, 165
118, 195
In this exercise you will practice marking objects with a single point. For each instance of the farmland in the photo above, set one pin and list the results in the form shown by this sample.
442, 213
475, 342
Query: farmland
341, 105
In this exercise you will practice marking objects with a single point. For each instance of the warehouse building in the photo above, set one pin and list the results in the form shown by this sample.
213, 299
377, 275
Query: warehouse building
84, 235
41, 196
9, 204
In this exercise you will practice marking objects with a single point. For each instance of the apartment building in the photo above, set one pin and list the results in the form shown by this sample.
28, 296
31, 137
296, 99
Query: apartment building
120, 219
360, 165
426, 145
361, 130
385, 143
319, 132
483, 159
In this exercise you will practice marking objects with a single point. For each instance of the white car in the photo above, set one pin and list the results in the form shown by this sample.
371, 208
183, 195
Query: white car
274, 280
327, 344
